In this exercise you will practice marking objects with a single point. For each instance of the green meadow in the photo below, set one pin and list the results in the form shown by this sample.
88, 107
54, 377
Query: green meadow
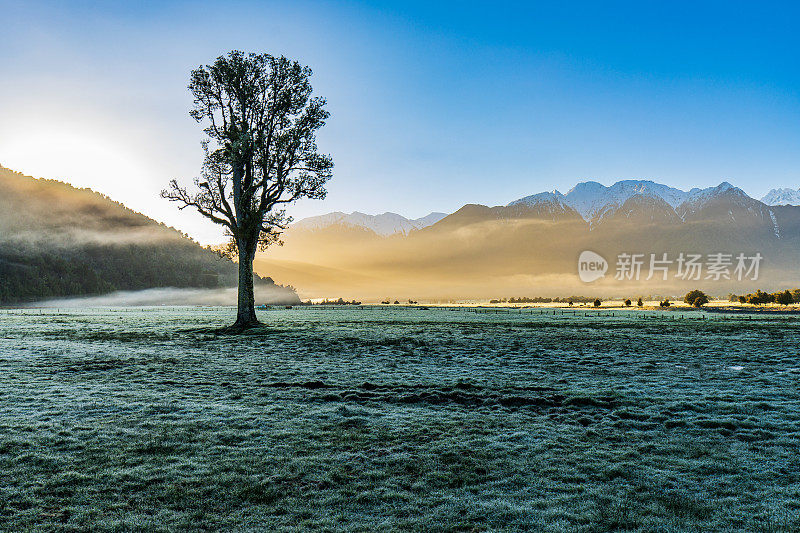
381, 419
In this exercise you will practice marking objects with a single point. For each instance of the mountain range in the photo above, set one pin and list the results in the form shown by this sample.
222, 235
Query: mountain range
530, 245
59, 241
384, 224
591, 200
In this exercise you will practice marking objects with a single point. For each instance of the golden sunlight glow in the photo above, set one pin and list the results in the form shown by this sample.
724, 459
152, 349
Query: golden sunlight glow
112, 161
83, 159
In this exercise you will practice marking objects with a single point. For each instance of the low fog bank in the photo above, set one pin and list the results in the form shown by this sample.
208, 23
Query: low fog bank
443, 283
66, 237
173, 296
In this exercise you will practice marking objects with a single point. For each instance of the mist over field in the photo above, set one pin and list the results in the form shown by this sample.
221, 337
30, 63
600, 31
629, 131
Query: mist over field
170, 296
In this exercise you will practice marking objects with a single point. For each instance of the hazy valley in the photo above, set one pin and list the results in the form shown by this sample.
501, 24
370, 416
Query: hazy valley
80, 243
531, 245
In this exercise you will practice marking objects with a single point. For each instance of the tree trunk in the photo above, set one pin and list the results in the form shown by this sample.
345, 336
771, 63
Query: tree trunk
246, 313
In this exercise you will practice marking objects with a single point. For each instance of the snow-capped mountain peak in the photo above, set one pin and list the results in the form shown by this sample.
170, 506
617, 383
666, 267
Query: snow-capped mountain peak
428, 220
591, 199
697, 197
384, 224
782, 197
594, 201
554, 197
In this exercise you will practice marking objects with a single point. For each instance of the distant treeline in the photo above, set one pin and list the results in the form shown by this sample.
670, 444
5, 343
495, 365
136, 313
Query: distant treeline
760, 297
340, 301
543, 300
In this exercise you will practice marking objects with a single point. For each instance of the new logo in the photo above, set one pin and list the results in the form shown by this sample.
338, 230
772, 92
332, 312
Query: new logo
591, 266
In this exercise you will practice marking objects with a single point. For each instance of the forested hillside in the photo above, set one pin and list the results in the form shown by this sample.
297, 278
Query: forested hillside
56, 240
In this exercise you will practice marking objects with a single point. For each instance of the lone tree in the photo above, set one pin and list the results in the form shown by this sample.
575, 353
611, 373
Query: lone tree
696, 298
260, 154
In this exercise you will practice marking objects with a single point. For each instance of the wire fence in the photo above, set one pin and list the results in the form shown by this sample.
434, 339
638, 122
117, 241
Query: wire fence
627, 313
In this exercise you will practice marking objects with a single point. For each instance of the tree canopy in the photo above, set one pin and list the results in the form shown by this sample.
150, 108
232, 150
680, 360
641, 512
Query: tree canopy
696, 298
261, 151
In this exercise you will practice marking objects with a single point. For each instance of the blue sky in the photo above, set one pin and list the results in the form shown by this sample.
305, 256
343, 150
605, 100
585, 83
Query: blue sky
433, 104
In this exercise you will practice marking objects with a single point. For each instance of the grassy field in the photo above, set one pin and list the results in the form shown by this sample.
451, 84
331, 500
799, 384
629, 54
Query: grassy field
398, 419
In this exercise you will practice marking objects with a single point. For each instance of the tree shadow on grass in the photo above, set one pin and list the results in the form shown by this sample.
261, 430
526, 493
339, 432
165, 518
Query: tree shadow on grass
255, 330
